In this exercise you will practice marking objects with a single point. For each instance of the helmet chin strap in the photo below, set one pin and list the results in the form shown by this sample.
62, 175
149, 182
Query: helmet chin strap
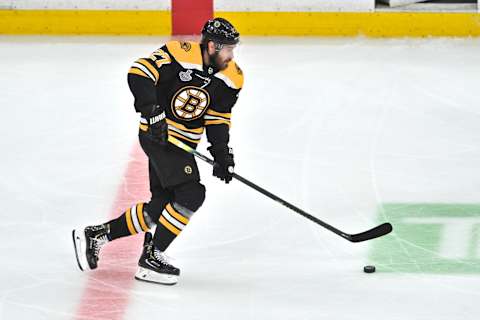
213, 58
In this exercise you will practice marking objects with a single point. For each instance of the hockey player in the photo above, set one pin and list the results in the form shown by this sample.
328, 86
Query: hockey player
182, 89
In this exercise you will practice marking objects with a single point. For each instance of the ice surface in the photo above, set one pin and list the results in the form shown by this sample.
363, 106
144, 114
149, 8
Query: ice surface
343, 128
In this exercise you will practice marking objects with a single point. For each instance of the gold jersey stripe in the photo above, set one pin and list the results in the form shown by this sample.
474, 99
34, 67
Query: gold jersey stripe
128, 216
186, 52
178, 135
150, 67
219, 114
169, 226
144, 128
212, 122
182, 127
138, 72
176, 214
141, 218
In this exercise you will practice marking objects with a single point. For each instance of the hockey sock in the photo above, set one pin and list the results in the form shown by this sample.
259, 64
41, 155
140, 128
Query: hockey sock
132, 221
172, 221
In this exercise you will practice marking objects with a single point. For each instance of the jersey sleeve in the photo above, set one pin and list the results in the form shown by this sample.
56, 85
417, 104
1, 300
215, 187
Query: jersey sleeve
217, 119
144, 76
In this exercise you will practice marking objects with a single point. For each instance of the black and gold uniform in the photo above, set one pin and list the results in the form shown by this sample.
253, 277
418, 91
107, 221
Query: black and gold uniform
183, 89
194, 96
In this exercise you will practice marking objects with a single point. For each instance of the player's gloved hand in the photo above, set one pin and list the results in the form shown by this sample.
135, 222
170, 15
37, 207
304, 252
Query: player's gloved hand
157, 125
224, 164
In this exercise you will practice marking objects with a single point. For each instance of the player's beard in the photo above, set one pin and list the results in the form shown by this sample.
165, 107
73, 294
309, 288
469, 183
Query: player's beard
218, 63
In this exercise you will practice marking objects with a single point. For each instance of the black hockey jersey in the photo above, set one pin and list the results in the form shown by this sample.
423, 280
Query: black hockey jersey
194, 96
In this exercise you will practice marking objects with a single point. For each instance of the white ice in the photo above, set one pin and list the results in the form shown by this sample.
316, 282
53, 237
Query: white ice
335, 126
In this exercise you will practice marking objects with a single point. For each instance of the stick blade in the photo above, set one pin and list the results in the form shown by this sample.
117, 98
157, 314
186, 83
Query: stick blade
376, 232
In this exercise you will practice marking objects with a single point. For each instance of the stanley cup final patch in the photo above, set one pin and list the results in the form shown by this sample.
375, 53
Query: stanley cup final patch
185, 76
188, 169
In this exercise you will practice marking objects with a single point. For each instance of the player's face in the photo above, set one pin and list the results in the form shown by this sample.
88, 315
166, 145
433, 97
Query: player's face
225, 55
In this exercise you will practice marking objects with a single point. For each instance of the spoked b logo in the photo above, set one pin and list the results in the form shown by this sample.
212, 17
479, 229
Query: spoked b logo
189, 103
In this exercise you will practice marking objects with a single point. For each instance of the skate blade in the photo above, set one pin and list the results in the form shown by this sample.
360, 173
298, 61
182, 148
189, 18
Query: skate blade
147, 275
79, 243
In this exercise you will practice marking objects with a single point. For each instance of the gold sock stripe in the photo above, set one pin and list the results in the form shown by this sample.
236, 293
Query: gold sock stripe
176, 214
128, 216
169, 226
141, 217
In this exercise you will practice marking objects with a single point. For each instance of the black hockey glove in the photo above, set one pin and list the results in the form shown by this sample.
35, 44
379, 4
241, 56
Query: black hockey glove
223, 167
157, 125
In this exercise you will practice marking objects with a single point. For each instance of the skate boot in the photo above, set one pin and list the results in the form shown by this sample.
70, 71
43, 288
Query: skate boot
153, 265
87, 243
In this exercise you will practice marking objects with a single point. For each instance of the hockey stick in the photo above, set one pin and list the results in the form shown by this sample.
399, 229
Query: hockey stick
376, 232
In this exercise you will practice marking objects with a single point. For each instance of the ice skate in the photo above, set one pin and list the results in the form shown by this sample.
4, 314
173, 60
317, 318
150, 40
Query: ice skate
154, 266
87, 243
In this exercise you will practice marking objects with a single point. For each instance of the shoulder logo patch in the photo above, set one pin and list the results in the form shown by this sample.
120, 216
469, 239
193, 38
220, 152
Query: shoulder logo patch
239, 71
185, 46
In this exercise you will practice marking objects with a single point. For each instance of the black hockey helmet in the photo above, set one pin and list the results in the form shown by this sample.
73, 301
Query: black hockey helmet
220, 31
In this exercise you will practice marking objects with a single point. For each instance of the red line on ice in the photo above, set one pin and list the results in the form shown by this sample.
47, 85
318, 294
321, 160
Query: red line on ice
106, 294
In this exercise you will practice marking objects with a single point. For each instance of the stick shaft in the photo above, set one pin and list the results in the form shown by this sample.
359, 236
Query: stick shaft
367, 235
289, 205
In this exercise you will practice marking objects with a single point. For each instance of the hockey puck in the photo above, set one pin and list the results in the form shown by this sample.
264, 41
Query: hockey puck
369, 269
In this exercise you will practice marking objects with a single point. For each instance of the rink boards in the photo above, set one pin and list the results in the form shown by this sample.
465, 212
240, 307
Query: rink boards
299, 18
